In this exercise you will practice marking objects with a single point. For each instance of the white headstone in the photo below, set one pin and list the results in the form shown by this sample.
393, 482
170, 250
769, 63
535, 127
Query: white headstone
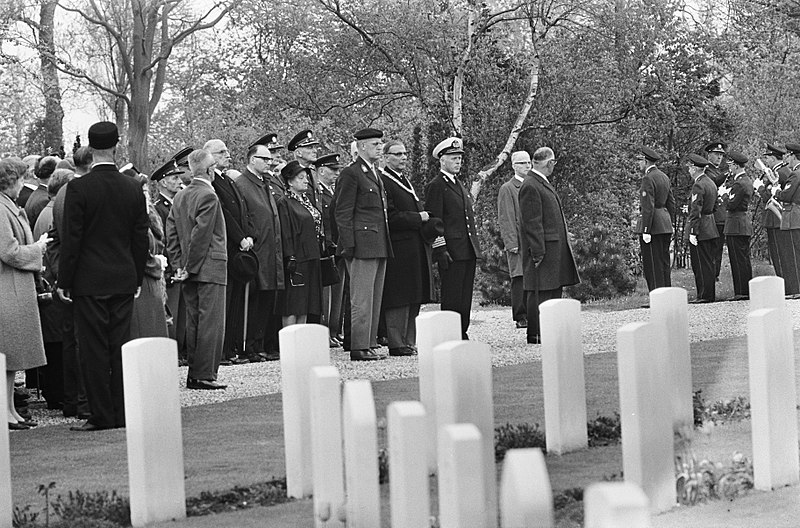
433, 328
669, 311
563, 381
464, 395
408, 469
616, 505
6, 503
773, 399
462, 495
767, 292
526, 499
647, 438
361, 456
302, 346
153, 430
326, 446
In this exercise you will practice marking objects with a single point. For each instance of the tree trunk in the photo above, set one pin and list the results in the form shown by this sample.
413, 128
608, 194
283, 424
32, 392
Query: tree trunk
138, 110
461, 71
53, 112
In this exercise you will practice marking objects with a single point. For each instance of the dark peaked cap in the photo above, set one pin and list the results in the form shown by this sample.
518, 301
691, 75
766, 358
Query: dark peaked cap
103, 135
650, 154
304, 138
737, 157
697, 160
715, 146
182, 156
794, 148
368, 133
268, 140
180, 159
772, 150
329, 160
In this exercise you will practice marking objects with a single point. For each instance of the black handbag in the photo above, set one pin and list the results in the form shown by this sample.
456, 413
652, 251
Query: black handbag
329, 271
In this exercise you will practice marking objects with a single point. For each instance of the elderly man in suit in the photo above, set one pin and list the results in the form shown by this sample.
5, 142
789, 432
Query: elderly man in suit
508, 218
548, 264
362, 223
654, 227
253, 184
101, 268
198, 250
702, 232
408, 274
456, 252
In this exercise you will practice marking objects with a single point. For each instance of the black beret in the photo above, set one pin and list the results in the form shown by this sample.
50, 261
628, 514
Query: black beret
368, 133
794, 148
697, 160
292, 169
304, 138
738, 157
328, 160
650, 154
268, 140
716, 146
103, 135
772, 150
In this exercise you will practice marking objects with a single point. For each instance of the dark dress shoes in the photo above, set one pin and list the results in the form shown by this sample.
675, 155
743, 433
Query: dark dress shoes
700, 301
364, 355
90, 427
534, 340
192, 383
271, 356
402, 351
17, 426
522, 323
740, 297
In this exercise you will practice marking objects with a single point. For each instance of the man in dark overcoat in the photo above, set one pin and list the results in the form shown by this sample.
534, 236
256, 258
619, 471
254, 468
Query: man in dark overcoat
408, 274
101, 267
457, 251
262, 333
547, 261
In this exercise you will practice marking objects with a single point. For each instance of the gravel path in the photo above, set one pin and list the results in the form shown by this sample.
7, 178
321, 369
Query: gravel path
491, 326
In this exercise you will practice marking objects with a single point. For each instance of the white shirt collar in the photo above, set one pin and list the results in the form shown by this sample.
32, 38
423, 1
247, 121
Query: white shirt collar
542, 175
103, 163
518, 177
450, 177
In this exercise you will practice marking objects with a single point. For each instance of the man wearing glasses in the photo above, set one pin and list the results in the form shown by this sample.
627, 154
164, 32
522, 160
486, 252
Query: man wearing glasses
254, 187
508, 218
547, 261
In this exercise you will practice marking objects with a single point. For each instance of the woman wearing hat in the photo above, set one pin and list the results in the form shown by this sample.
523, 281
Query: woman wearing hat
302, 234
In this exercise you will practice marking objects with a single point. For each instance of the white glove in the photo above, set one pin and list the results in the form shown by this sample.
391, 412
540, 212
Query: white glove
693, 240
774, 190
757, 184
722, 191
646, 237
162, 260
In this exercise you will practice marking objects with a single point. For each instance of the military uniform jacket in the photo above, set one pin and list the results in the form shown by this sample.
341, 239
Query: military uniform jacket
196, 234
104, 242
452, 203
508, 218
408, 273
360, 213
162, 206
325, 206
789, 196
656, 203
701, 209
264, 215
718, 175
544, 237
769, 220
737, 202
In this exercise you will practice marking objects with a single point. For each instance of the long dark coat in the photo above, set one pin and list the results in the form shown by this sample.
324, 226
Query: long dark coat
544, 236
267, 228
408, 274
701, 209
453, 204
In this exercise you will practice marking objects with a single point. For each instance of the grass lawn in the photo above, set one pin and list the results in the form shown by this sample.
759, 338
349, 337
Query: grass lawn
241, 441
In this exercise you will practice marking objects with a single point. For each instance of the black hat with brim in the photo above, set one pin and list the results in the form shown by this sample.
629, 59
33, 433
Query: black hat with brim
738, 158
244, 265
328, 160
292, 169
304, 138
697, 160
650, 154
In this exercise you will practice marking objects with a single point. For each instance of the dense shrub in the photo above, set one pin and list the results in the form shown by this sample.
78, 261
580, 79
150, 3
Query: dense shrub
602, 264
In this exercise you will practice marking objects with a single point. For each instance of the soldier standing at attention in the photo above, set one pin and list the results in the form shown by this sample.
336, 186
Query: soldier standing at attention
764, 187
703, 232
789, 245
656, 211
738, 226
718, 171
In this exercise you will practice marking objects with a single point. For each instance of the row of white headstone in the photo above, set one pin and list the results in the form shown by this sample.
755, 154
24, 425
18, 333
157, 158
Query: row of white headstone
331, 435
